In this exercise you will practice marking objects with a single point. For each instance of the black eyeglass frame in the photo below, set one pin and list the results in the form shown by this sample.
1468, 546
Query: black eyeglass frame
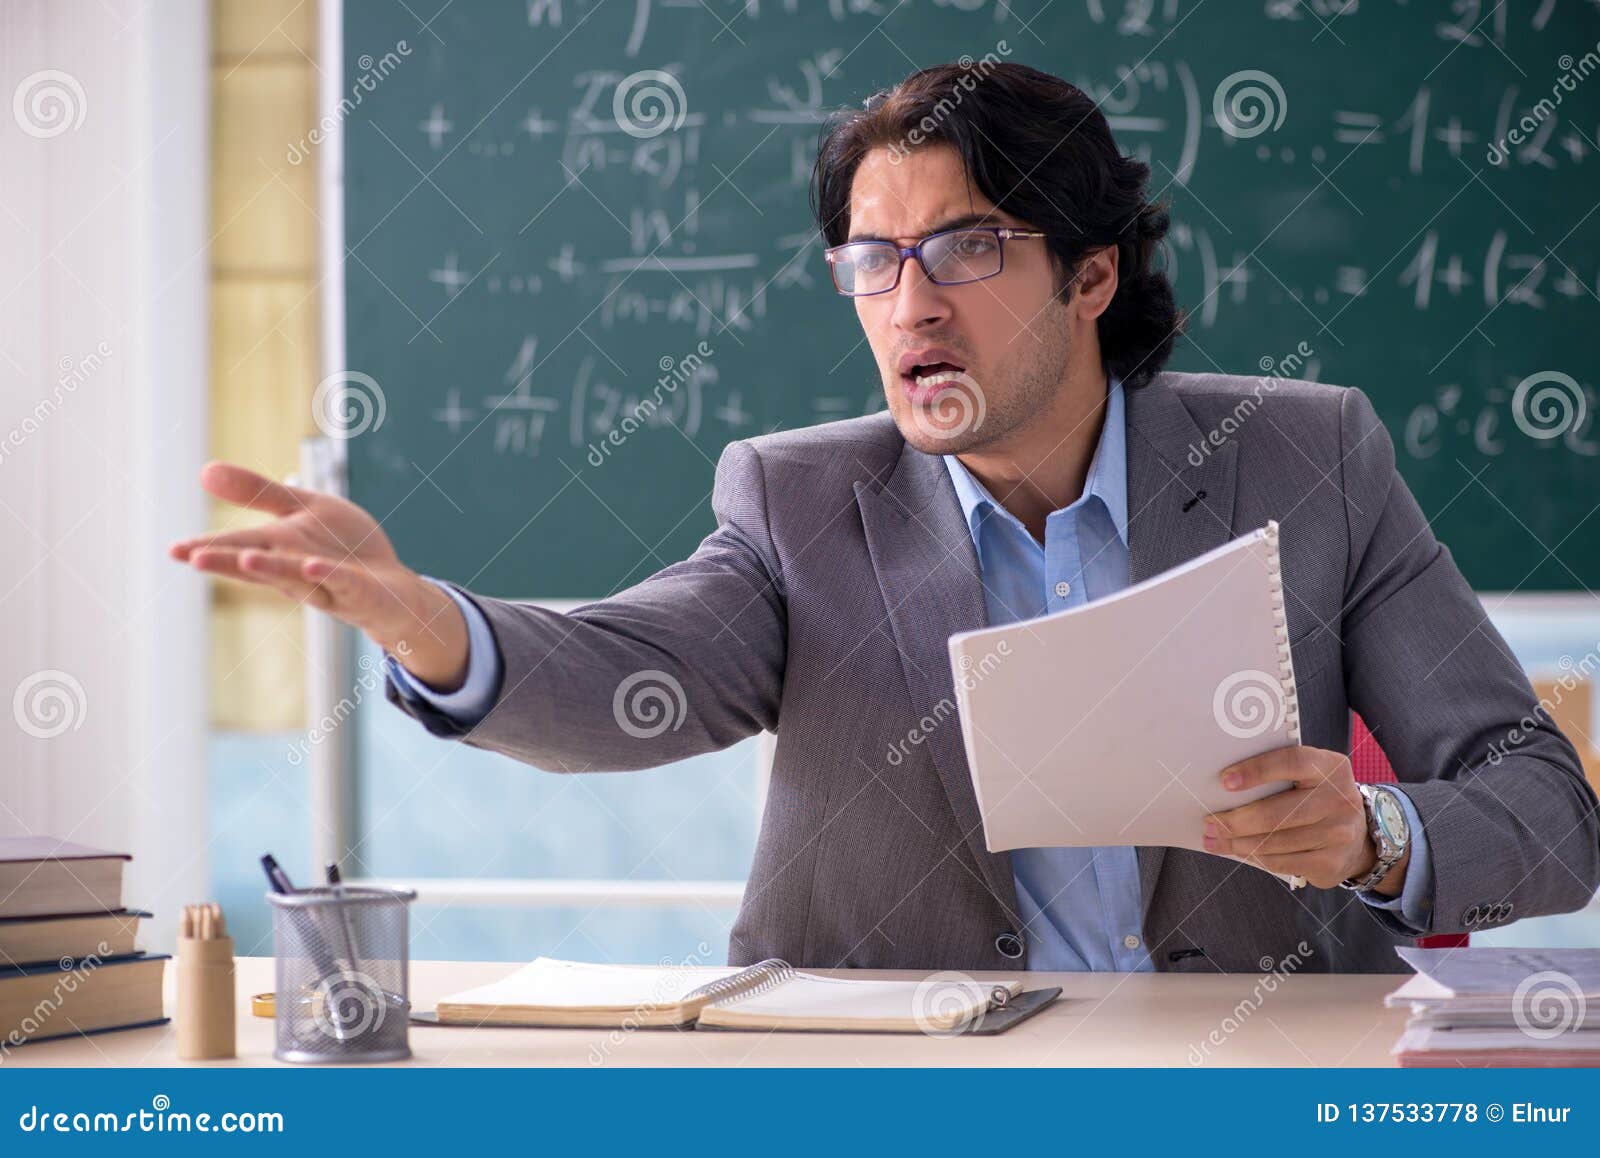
1002, 235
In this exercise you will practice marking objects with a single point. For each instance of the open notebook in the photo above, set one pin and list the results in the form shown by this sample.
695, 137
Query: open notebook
1110, 723
769, 995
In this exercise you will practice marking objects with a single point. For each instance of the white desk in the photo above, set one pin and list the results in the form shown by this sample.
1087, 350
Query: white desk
1137, 1019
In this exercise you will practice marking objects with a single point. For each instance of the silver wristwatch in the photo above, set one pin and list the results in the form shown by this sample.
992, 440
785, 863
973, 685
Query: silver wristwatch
1391, 835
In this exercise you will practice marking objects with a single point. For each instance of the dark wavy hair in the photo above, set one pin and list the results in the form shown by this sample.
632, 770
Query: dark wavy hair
1040, 149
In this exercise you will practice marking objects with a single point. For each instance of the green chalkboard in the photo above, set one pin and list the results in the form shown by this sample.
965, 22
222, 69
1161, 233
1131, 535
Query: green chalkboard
1403, 199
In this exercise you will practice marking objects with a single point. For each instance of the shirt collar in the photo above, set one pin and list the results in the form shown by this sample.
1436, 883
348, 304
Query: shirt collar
1107, 479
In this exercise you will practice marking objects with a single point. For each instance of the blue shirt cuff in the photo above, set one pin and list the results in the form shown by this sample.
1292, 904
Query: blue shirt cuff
469, 703
1414, 905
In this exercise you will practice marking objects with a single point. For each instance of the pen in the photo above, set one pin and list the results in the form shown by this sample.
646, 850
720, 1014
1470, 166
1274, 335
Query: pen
327, 965
336, 883
276, 877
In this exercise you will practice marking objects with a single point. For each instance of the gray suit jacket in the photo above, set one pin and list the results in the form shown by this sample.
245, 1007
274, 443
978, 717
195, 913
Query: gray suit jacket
819, 610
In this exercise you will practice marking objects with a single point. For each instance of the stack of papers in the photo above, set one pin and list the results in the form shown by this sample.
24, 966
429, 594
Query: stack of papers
1111, 723
1500, 1007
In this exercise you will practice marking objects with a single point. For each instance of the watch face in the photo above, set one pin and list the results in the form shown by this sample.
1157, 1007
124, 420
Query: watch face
1391, 817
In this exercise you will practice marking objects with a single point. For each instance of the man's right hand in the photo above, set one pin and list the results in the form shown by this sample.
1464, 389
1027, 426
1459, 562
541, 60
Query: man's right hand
329, 553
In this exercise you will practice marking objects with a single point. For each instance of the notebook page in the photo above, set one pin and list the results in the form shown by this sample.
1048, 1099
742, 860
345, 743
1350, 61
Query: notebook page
548, 983
835, 1000
1109, 724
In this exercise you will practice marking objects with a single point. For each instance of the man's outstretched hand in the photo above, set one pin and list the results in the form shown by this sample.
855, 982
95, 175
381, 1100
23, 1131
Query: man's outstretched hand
327, 552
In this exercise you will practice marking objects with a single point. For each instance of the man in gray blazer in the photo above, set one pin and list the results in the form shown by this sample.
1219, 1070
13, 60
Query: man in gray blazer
1033, 456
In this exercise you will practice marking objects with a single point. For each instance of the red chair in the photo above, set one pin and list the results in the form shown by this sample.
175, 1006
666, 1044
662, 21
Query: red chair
1371, 766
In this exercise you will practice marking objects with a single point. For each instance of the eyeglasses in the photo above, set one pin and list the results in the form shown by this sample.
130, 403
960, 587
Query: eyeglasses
954, 257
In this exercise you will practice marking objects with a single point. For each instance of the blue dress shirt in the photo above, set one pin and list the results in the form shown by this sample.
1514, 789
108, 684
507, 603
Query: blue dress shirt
469, 703
1081, 906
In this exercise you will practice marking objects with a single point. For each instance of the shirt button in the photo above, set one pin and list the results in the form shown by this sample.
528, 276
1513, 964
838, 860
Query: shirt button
1130, 942
1063, 589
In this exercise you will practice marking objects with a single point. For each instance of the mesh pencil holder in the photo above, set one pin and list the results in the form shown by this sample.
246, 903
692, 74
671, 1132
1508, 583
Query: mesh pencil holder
342, 974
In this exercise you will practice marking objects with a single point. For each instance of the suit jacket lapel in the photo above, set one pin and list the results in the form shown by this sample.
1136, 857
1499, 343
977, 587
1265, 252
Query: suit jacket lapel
1180, 504
927, 569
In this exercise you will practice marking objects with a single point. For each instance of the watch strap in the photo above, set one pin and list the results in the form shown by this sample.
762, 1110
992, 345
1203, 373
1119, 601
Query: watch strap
1385, 862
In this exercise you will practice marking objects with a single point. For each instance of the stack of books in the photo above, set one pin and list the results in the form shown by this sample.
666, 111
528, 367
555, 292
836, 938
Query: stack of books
69, 957
1500, 1007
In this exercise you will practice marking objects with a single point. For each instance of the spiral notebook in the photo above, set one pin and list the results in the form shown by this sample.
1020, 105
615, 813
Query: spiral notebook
768, 995
1110, 723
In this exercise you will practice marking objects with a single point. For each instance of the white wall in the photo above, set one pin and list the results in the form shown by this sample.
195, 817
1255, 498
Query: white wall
103, 427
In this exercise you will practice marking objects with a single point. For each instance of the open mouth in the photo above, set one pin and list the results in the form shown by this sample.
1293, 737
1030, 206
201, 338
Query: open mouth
927, 378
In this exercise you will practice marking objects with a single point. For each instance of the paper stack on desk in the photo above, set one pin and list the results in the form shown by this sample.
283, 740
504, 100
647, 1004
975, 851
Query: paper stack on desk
1500, 1007
1110, 724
